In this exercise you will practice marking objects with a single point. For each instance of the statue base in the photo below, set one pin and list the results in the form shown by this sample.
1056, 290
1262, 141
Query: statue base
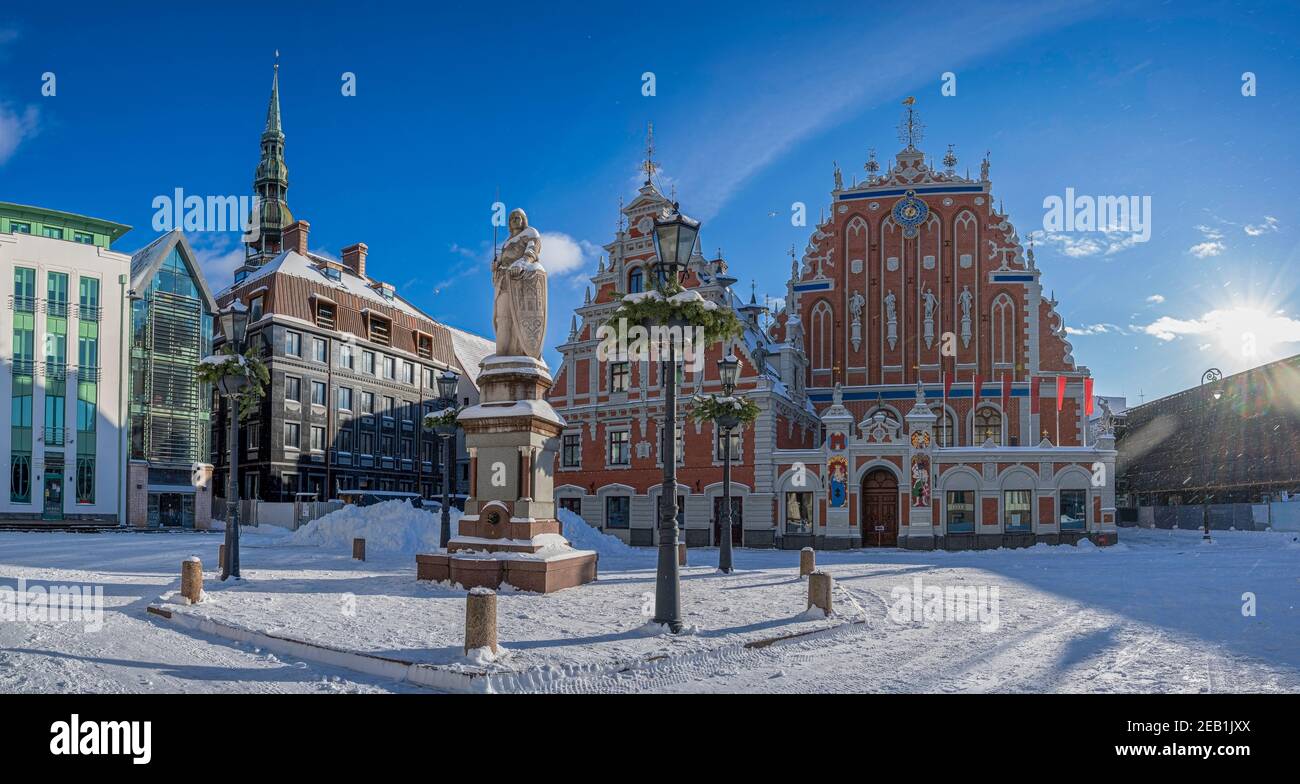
509, 534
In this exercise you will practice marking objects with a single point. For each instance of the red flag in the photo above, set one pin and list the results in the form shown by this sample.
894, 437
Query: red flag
1060, 393
1033, 395
1087, 397
1006, 391
977, 383
947, 385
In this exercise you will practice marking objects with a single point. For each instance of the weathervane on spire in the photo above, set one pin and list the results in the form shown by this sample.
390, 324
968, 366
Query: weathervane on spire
649, 151
950, 160
911, 130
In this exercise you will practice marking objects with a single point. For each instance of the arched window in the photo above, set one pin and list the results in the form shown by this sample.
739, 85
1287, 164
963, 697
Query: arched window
1002, 318
945, 429
85, 480
635, 281
20, 478
987, 424
823, 349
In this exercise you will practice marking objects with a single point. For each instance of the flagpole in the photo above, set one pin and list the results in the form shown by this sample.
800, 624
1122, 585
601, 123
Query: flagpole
1058, 419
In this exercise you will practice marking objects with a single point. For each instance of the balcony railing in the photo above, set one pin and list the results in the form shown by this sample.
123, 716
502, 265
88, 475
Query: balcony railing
26, 304
85, 373
89, 312
56, 307
54, 435
55, 370
24, 367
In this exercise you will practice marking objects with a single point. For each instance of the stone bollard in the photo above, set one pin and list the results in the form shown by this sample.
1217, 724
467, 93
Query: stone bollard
819, 591
480, 619
807, 562
192, 579
681, 553
221, 558
358, 549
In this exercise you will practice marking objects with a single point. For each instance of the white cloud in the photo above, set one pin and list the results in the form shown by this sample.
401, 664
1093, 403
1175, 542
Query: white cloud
1079, 245
1095, 329
1156, 299
1230, 325
16, 126
562, 254
1203, 250
1269, 225
218, 254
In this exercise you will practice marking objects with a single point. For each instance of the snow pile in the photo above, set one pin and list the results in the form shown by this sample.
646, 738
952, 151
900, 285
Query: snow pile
584, 536
388, 527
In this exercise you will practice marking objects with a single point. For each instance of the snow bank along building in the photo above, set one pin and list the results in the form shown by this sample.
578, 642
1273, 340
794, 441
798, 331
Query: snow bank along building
908, 387
353, 365
61, 333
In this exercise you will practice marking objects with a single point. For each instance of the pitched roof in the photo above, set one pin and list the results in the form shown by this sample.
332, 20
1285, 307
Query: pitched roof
471, 350
146, 261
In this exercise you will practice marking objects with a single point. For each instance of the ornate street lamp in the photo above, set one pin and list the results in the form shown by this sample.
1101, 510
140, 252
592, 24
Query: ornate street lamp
1214, 377
674, 237
447, 432
234, 325
728, 373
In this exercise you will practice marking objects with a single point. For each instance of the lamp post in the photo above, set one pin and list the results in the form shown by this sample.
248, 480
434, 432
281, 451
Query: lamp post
447, 432
1214, 377
674, 239
234, 325
728, 371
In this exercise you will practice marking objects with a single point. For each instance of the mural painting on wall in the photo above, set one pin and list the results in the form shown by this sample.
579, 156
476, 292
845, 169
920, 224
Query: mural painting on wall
920, 480
837, 468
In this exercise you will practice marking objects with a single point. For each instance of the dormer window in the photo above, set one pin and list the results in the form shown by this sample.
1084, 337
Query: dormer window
325, 314
424, 345
380, 330
384, 290
333, 273
240, 276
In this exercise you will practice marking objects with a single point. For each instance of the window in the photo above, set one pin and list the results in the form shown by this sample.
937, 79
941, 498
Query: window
798, 513
368, 362
293, 388
380, 330
367, 442
428, 378
386, 446
20, 228
988, 425
345, 356
618, 511
619, 453
408, 411
405, 446
293, 344
84, 239
635, 281
318, 393
255, 308
945, 434
367, 402
424, 346
344, 443
620, 375
820, 344
408, 373
1002, 317
720, 446
571, 504
288, 486
345, 399
325, 315
252, 437
572, 451
1074, 509
320, 350
52, 232
1016, 508
317, 438
20, 478
291, 434
389, 406
390, 368
961, 511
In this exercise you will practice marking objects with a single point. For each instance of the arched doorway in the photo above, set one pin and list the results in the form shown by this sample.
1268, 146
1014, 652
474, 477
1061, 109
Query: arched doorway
879, 509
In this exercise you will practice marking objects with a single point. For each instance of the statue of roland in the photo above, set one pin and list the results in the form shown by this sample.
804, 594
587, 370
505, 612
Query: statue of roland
519, 281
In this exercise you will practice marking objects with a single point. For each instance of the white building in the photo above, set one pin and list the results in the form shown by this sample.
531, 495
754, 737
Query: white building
61, 384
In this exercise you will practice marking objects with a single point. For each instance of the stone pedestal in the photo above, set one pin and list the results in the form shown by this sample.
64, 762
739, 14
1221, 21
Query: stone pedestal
509, 533
921, 525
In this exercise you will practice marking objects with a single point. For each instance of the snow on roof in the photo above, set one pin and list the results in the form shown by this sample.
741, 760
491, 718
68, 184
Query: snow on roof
470, 350
290, 262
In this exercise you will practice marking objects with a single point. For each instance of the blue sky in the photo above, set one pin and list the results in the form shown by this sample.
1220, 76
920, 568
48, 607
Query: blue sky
754, 101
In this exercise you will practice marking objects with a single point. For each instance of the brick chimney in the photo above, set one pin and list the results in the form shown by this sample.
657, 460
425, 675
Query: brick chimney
354, 258
295, 237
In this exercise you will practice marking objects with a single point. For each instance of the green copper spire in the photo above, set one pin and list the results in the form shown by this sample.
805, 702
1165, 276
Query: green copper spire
270, 183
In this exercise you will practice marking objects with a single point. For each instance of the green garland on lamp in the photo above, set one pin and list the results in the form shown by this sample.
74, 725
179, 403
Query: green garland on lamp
654, 309
709, 408
446, 416
212, 369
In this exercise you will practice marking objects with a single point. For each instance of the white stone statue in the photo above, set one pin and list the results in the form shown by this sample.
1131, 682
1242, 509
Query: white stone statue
965, 298
930, 304
519, 310
1107, 417
856, 302
891, 318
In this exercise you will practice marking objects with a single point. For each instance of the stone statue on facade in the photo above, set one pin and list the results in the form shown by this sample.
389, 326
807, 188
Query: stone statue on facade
1107, 417
519, 280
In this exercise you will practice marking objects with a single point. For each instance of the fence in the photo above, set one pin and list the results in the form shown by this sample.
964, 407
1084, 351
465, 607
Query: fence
1280, 516
285, 514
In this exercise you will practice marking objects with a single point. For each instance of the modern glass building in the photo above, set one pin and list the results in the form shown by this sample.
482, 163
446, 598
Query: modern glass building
171, 329
60, 340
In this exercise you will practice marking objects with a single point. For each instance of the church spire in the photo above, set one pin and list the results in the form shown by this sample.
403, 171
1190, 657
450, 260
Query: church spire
270, 185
